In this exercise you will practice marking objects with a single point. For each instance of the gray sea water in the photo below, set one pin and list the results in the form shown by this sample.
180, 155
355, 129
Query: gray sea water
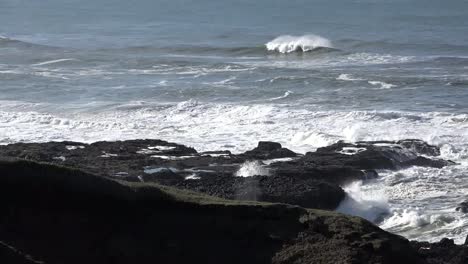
226, 74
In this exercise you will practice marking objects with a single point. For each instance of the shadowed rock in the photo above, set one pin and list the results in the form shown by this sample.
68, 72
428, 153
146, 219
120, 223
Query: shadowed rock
311, 180
269, 150
374, 155
68, 216
305, 192
10, 255
445, 251
463, 207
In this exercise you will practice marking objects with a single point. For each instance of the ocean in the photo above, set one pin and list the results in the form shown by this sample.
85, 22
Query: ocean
227, 74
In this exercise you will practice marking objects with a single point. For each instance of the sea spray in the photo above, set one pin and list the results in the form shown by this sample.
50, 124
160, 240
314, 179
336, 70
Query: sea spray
252, 168
364, 201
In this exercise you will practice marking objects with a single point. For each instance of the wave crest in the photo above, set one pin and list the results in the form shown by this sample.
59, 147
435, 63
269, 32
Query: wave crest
288, 43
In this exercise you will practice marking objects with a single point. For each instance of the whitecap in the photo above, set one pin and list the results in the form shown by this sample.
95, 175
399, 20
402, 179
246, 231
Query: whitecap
348, 77
383, 85
286, 94
53, 62
252, 168
288, 43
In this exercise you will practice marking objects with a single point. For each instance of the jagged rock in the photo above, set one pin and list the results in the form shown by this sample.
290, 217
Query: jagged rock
380, 154
419, 147
269, 150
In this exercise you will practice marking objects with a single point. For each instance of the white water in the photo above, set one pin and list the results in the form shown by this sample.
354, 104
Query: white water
369, 201
420, 202
210, 126
288, 44
252, 168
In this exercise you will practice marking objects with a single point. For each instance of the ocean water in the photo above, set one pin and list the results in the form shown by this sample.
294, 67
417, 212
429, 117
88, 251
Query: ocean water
226, 74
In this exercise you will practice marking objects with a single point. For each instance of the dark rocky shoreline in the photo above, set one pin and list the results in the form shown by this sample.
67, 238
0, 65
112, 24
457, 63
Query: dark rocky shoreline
107, 201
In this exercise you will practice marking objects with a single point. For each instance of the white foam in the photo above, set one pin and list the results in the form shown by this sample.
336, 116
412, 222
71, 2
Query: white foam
347, 77
161, 148
375, 58
286, 94
351, 150
383, 85
238, 127
155, 149
192, 177
252, 168
288, 44
152, 170
408, 218
171, 157
147, 151
62, 158
53, 62
108, 155
69, 147
225, 81
367, 201
271, 161
216, 155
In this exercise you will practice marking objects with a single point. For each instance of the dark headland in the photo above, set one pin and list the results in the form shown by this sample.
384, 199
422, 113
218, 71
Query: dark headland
151, 201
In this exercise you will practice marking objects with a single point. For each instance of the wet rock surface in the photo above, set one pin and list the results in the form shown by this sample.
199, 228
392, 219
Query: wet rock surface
269, 172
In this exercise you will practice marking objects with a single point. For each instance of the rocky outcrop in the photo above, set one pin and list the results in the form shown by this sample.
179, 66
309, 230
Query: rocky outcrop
445, 251
292, 190
373, 155
67, 216
311, 180
269, 150
463, 207
343, 162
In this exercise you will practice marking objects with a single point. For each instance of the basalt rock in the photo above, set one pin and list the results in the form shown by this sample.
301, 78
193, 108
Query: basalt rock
305, 192
269, 150
62, 215
310, 180
445, 251
375, 155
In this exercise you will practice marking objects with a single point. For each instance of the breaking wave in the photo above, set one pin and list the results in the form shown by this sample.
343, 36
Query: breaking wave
288, 44
370, 204
252, 168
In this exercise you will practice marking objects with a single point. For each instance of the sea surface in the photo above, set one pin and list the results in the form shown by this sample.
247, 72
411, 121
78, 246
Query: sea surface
226, 74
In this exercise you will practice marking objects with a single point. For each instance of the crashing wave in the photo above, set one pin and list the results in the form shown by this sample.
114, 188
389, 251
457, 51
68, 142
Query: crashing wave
368, 201
288, 44
252, 168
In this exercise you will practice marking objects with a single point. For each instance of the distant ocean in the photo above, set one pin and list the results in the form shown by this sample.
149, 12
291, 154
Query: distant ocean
226, 74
